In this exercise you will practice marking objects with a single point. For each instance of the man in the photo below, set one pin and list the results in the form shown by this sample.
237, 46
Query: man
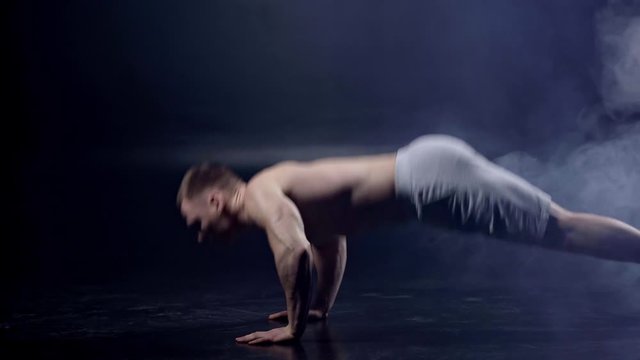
308, 209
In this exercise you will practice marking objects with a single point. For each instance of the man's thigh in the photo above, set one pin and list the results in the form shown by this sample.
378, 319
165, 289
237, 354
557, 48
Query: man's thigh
447, 214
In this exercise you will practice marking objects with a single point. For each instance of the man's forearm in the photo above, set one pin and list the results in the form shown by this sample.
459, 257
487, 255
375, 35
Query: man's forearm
330, 263
294, 272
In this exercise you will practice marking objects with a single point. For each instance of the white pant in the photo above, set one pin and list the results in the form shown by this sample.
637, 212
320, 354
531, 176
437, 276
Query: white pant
451, 184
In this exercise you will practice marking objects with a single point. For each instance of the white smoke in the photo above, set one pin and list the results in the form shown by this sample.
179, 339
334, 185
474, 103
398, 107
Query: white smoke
600, 176
618, 31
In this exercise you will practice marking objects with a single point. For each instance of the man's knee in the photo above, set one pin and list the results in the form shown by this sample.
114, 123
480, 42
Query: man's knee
560, 226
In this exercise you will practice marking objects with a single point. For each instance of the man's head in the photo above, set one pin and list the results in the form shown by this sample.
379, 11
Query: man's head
207, 200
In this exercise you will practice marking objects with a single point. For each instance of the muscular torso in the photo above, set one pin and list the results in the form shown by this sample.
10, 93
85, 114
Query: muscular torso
340, 195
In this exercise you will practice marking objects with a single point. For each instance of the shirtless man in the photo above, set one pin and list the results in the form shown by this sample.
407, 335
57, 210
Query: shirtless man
308, 209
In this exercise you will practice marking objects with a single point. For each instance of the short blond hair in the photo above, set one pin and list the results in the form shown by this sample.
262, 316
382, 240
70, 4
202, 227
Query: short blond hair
200, 177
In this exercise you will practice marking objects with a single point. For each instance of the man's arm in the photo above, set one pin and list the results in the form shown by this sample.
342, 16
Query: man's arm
281, 220
330, 260
293, 258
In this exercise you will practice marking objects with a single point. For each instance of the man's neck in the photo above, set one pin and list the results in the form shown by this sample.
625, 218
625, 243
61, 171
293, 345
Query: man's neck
238, 199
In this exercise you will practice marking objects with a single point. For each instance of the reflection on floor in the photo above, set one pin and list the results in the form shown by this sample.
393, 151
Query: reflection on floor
386, 323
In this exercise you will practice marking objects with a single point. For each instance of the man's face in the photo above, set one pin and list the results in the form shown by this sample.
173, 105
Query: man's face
207, 215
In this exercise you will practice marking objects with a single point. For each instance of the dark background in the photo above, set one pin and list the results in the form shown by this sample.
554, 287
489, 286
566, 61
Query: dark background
107, 103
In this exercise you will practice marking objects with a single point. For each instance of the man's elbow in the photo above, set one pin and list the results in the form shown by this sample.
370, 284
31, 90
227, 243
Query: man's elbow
293, 255
299, 256
302, 252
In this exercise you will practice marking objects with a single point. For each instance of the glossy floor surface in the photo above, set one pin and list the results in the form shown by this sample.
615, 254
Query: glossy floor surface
391, 322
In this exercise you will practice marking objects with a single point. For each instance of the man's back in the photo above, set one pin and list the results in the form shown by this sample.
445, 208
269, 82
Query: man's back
338, 195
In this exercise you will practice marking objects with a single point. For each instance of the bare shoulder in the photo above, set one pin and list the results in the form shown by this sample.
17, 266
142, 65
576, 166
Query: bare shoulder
274, 175
264, 194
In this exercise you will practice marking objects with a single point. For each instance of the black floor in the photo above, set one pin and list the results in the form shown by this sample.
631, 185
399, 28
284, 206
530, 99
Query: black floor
399, 321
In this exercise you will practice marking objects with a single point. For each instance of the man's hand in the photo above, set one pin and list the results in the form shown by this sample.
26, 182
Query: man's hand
277, 335
314, 315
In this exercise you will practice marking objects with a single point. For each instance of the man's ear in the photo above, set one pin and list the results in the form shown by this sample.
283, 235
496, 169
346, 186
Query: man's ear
215, 200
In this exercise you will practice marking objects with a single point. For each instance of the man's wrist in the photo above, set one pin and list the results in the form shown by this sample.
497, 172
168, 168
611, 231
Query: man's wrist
293, 332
